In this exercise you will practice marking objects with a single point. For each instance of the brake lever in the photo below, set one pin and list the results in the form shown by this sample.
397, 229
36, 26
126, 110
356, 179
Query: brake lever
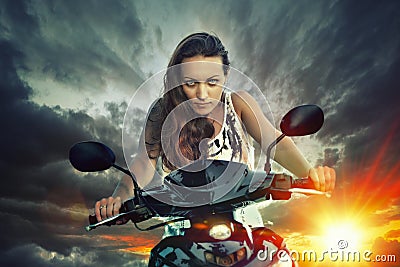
109, 221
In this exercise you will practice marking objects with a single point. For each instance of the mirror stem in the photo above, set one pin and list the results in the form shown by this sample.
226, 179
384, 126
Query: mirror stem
274, 143
135, 184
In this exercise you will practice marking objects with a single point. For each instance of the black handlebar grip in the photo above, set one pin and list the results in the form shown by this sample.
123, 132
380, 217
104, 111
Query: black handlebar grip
92, 219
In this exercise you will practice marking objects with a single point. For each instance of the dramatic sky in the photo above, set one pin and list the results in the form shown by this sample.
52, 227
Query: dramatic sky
69, 68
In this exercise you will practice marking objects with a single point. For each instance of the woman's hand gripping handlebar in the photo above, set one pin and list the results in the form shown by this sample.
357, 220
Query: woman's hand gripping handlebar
284, 185
129, 211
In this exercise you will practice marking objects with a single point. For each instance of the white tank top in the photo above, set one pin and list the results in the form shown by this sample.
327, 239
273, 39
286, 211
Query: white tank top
232, 143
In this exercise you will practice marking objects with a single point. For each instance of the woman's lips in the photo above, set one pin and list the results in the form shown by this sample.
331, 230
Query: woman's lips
201, 105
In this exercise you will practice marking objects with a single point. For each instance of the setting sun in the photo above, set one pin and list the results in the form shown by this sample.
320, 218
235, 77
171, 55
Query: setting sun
343, 236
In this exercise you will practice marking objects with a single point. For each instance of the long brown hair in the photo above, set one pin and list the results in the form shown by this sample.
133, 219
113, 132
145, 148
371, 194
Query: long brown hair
191, 134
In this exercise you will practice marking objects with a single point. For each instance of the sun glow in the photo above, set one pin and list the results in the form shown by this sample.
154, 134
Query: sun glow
344, 235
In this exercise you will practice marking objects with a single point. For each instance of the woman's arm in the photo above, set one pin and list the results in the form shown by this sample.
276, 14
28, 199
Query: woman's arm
287, 154
143, 168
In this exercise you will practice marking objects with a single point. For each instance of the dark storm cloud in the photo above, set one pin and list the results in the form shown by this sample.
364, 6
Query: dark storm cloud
331, 157
82, 44
37, 136
38, 257
21, 126
342, 55
44, 203
38, 185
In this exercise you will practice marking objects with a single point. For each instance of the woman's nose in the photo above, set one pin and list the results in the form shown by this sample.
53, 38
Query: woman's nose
202, 92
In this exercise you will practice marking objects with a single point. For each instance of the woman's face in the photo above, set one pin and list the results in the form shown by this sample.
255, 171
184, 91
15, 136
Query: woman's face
203, 78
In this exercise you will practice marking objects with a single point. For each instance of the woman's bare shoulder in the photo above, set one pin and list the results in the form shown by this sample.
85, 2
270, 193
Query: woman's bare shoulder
241, 101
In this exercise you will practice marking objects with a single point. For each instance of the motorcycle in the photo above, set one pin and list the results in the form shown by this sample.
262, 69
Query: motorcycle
211, 236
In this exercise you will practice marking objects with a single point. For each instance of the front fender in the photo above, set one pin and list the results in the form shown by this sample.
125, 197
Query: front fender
179, 251
174, 251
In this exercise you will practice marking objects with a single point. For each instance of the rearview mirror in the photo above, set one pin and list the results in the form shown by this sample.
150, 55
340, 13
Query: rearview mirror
302, 120
299, 121
91, 156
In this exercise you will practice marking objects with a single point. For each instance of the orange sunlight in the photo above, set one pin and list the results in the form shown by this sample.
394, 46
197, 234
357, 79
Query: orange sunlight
132, 243
362, 216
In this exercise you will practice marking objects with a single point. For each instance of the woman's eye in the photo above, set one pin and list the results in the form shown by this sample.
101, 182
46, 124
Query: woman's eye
212, 81
190, 83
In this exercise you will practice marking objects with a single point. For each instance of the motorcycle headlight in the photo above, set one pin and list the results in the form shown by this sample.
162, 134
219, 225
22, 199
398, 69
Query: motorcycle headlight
220, 231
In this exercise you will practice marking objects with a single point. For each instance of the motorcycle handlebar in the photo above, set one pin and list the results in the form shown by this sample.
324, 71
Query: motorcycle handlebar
285, 182
284, 185
128, 212
94, 223
305, 183
281, 189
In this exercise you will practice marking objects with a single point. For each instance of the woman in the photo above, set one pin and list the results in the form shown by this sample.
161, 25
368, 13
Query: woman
198, 118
